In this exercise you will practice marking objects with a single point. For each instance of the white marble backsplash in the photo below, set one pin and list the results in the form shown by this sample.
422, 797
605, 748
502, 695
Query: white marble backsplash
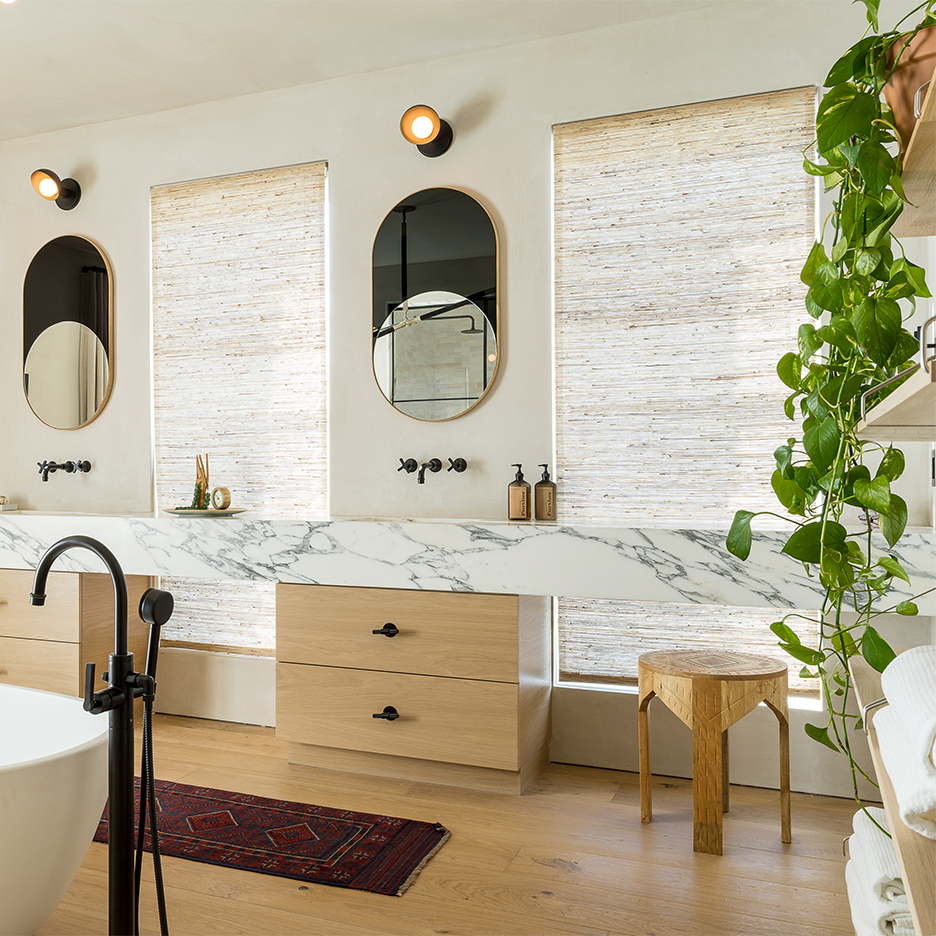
651, 564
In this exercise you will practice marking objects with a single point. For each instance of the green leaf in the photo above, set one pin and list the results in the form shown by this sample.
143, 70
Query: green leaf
839, 391
738, 541
789, 370
876, 650
815, 169
845, 68
907, 607
789, 493
806, 673
876, 166
816, 256
844, 112
805, 477
844, 643
894, 522
806, 543
804, 654
789, 405
880, 222
892, 464
839, 250
866, 261
915, 274
786, 634
808, 341
783, 455
821, 735
874, 495
827, 296
822, 443
877, 324
892, 566
905, 350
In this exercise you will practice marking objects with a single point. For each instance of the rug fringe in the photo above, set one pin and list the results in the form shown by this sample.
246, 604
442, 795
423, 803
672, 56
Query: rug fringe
422, 864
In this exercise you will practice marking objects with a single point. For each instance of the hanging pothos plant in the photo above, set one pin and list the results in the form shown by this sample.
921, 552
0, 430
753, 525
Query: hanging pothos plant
857, 340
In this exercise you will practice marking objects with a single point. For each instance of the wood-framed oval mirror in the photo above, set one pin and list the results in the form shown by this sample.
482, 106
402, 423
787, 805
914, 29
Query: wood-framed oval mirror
436, 318
68, 312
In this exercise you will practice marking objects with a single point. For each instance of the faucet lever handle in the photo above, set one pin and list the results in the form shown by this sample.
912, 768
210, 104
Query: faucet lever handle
409, 465
91, 704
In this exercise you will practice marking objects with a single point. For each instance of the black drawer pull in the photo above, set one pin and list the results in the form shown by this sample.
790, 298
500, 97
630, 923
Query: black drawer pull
389, 712
388, 630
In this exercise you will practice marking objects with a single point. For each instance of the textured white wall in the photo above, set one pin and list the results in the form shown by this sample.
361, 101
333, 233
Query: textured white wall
502, 105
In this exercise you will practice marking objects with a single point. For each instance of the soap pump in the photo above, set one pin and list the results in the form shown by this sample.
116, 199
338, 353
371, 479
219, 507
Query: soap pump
544, 496
518, 497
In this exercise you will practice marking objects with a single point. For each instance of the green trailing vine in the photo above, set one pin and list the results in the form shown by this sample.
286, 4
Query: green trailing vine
861, 290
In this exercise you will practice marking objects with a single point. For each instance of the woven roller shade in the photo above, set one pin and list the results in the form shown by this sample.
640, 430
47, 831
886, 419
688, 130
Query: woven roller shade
239, 366
679, 236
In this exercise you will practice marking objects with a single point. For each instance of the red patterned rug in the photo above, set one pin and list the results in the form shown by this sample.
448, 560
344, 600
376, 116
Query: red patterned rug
293, 840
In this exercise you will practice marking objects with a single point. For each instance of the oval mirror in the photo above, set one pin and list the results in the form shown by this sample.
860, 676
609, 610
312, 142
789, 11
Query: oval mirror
435, 314
67, 324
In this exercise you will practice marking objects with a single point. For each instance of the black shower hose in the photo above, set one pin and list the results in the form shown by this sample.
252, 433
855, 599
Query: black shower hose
148, 791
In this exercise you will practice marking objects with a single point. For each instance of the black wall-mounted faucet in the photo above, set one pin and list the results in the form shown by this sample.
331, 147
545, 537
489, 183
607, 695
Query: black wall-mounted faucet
70, 467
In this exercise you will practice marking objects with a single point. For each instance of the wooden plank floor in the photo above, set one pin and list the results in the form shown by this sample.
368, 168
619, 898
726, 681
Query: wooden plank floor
568, 857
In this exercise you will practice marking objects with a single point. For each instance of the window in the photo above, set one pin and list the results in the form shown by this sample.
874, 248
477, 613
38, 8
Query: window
239, 367
680, 235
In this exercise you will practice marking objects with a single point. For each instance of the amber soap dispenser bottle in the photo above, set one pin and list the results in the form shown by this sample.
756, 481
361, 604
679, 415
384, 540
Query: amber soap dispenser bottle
518, 497
544, 497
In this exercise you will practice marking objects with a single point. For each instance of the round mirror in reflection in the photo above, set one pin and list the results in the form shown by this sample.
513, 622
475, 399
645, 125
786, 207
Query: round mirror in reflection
66, 376
435, 355
435, 316
67, 323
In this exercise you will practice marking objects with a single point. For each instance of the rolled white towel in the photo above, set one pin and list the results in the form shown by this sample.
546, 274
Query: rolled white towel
872, 853
909, 683
870, 916
914, 787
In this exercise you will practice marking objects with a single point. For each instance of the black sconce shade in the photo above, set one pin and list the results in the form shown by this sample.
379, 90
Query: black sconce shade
424, 128
66, 193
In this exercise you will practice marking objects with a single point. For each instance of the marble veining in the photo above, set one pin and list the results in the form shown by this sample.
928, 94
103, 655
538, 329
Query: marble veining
652, 564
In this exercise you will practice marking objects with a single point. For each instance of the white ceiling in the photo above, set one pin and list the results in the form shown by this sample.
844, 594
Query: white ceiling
64, 63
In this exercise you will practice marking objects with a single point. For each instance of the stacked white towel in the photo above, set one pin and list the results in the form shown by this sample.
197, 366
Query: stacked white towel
879, 905
910, 686
906, 731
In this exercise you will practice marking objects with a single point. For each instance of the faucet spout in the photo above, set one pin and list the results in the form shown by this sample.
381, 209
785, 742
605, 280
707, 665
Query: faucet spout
433, 465
38, 596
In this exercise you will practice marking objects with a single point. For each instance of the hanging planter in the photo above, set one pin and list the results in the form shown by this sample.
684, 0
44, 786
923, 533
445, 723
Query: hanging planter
907, 86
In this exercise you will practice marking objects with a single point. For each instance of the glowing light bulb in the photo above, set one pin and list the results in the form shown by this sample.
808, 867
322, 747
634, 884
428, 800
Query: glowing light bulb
47, 186
422, 127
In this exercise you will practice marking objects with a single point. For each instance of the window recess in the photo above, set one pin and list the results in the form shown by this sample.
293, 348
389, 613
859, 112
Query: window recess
679, 238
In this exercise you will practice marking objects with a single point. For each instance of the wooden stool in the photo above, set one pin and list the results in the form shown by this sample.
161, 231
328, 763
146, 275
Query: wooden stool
709, 691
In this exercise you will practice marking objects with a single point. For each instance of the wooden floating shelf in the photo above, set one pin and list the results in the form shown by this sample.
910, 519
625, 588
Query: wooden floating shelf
908, 414
919, 176
916, 854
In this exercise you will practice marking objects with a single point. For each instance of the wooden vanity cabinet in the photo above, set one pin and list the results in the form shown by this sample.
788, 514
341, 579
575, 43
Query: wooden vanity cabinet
467, 674
46, 647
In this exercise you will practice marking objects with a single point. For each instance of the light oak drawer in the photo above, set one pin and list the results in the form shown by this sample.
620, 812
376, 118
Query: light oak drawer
58, 619
460, 721
39, 664
471, 636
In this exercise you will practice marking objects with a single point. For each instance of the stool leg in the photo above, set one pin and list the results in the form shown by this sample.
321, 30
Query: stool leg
724, 771
785, 830
643, 743
706, 767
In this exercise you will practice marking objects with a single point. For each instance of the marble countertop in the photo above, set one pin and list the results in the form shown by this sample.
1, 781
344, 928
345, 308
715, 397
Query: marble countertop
571, 560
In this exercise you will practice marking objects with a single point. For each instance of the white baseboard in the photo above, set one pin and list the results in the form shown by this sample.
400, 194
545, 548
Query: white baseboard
598, 728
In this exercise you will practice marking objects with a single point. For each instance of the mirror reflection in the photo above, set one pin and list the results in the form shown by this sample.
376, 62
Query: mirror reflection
435, 355
435, 304
67, 309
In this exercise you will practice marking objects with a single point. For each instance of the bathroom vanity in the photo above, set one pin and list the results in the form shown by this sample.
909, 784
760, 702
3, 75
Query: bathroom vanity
47, 647
442, 687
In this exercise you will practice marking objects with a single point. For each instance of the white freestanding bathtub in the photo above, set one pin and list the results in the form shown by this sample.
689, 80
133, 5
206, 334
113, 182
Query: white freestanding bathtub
53, 787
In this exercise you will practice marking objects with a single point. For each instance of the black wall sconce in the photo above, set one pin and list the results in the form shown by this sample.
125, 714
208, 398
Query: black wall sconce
66, 193
426, 130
